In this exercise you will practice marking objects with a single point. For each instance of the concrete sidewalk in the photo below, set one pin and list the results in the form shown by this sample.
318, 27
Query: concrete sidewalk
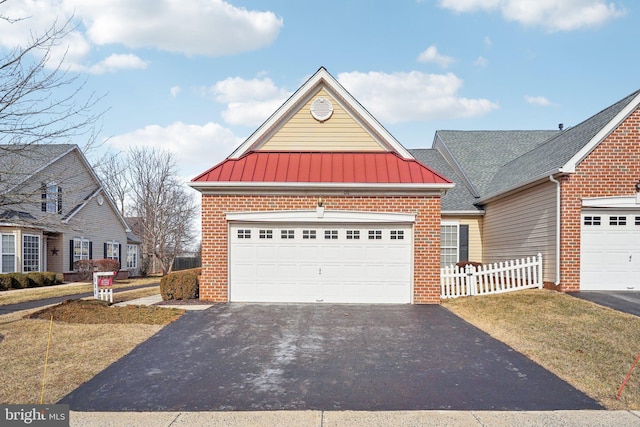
154, 299
353, 418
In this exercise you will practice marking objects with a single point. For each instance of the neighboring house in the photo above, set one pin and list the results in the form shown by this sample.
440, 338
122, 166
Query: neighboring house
321, 203
54, 212
572, 195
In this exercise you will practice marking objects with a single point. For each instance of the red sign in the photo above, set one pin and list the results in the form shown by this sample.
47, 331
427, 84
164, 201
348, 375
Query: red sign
104, 281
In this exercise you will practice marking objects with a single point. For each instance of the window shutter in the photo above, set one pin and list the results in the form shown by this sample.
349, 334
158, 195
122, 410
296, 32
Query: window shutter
104, 250
119, 257
71, 254
60, 200
90, 250
463, 251
43, 196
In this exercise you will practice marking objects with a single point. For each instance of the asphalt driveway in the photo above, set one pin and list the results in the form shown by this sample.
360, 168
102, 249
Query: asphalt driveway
324, 357
625, 301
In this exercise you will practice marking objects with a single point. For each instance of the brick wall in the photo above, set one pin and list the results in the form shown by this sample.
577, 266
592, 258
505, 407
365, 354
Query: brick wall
612, 169
214, 280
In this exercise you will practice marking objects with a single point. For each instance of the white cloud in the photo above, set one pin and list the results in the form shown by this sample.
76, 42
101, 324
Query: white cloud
553, 15
413, 96
481, 61
196, 148
194, 27
540, 101
431, 54
249, 102
175, 91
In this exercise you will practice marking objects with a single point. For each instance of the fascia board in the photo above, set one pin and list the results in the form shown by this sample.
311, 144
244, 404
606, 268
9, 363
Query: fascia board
577, 158
521, 186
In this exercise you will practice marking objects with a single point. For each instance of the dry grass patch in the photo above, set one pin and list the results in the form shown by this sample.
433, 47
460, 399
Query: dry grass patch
590, 346
87, 336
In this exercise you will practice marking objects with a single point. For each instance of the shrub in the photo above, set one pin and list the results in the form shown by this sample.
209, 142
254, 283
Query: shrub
19, 280
107, 264
51, 278
36, 279
5, 282
84, 267
180, 285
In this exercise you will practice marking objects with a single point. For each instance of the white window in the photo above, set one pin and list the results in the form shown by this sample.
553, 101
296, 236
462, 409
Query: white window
8, 251
30, 253
52, 198
309, 234
617, 220
265, 234
80, 249
448, 244
132, 257
375, 234
287, 234
113, 251
331, 234
353, 234
397, 235
244, 234
591, 220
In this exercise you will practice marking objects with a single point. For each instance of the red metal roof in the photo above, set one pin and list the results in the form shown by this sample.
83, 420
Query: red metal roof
322, 167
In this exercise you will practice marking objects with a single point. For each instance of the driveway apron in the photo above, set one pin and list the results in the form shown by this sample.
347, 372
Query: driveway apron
625, 301
324, 357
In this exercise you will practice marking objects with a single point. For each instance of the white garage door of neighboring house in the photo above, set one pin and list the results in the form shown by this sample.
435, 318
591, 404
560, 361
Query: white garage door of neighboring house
364, 263
610, 250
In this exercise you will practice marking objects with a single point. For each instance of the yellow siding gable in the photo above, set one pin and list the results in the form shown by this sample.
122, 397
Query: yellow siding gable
341, 132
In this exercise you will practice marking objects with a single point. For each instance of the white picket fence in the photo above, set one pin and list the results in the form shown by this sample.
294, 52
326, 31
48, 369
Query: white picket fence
488, 279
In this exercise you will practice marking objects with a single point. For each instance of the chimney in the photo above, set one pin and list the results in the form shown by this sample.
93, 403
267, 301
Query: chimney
560, 126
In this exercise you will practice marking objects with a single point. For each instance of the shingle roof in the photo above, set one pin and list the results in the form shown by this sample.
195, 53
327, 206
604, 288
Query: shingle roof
322, 167
555, 152
459, 198
19, 162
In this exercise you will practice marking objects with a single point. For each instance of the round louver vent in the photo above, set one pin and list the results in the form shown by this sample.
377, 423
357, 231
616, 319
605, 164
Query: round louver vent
321, 109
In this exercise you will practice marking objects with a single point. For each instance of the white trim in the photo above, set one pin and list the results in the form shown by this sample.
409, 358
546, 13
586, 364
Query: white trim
306, 216
617, 202
321, 77
571, 165
23, 256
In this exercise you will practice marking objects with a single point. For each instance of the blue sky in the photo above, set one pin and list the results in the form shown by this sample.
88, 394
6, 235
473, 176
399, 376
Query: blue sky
196, 77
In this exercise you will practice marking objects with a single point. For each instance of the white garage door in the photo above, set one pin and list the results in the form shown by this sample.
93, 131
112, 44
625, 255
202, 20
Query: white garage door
610, 251
320, 263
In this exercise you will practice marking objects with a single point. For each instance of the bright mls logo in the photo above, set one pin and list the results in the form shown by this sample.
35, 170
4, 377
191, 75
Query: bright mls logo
35, 415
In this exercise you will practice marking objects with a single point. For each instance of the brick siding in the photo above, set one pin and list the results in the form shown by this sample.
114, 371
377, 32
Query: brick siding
426, 254
612, 169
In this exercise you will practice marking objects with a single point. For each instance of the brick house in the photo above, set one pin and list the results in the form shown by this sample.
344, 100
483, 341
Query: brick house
321, 203
281, 214
570, 194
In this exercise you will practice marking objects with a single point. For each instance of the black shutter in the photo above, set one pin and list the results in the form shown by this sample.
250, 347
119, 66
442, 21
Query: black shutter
119, 257
71, 255
104, 251
463, 250
59, 200
43, 196
90, 250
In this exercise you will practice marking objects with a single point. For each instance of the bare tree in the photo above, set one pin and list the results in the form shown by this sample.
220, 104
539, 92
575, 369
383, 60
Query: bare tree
164, 208
112, 169
40, 103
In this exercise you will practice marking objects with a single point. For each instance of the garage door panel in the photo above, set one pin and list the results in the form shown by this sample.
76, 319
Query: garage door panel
349, 268
610, 250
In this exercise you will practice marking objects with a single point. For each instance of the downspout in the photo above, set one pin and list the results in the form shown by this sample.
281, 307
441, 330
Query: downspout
552, 179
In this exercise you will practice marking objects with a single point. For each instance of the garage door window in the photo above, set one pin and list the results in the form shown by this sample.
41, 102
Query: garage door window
617, 220
592, 220
287, 234
309, 234
375, 234
331, 234
265, 234
244, 234
353, 234
397, 235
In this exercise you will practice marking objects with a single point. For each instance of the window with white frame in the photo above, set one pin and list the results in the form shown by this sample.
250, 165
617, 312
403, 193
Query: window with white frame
449, 244
80, 249
132, 257
52, 198
8, 251
112, 250
30, 253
